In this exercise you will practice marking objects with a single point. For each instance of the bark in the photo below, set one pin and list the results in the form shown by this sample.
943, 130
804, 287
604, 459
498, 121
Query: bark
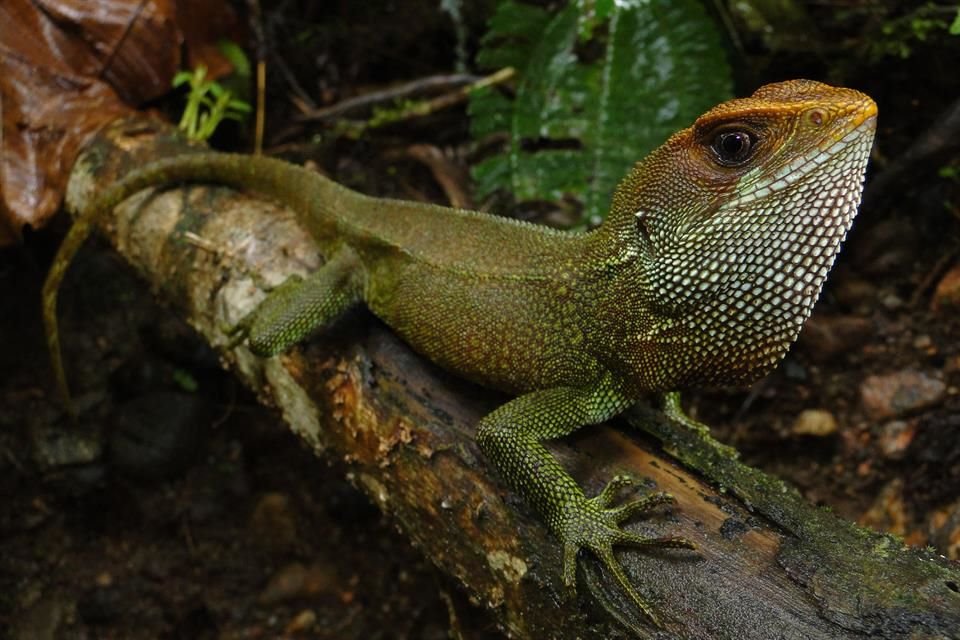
769, 565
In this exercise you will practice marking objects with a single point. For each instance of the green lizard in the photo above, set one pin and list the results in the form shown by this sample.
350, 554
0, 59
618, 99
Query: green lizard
710, 260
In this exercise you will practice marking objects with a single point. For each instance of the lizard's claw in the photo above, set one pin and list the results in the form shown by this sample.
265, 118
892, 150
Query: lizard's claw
592, 524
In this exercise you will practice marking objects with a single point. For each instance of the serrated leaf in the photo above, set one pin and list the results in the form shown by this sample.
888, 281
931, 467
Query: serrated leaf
575, 127
664, 67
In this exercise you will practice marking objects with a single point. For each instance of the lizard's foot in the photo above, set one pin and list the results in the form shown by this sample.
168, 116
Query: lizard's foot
592, 524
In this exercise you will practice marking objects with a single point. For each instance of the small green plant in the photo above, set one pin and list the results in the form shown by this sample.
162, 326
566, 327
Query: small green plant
949, 172
926, 23
208, 104
185, 380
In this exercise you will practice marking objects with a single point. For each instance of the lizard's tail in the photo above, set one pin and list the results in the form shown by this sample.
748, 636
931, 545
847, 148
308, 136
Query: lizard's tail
68, 249
293, 186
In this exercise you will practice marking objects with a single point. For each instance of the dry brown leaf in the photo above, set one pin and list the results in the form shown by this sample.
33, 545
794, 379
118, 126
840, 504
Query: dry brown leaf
68, 67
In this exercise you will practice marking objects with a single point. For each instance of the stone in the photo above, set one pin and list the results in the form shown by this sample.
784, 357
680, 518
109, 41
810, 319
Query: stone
897, 394
814, 422
824, 337
273, 523
888, 513
946, 297
896, 437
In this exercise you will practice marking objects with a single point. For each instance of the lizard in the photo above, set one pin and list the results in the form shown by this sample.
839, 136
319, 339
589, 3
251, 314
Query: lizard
712, 255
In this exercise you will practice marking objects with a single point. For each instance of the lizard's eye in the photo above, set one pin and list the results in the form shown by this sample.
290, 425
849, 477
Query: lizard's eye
733, 147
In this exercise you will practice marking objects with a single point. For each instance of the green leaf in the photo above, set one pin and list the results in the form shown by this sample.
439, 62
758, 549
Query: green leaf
208, 104
181, 78
577, 124
237, 57
185, 380
513, 31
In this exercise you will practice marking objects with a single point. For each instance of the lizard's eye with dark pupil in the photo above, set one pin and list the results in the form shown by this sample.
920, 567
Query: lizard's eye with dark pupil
732, 148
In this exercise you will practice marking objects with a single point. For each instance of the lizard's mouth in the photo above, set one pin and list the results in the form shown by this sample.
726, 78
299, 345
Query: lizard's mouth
867, 112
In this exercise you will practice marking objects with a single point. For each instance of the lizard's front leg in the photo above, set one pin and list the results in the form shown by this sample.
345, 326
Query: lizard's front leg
299, 306
512, 438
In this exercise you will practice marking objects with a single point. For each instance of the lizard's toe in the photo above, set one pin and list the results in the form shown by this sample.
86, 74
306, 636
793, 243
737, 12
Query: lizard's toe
618, 482
640, 505
613, 565
662, 542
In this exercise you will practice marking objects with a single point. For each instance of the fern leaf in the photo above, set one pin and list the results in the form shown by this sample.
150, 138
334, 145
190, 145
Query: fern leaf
576, 125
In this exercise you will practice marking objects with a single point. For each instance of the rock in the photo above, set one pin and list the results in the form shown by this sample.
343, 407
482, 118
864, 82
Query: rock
952, 365
55, 448
814, 422
891, 302
944, 528
824, 337
102, 604
294, 581
286, 584
853, 291
899, 393
896, 437
156, 436
888, 512
887, 247
45, 620
946, 297
273, 523
301, 623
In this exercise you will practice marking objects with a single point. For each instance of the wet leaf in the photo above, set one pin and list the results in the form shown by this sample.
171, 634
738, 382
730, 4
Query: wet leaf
69, 67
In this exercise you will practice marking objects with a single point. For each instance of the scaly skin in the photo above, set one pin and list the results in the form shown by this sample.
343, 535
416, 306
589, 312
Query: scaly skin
703, 273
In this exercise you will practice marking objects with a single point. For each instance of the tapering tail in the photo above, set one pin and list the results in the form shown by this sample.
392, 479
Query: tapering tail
289, 184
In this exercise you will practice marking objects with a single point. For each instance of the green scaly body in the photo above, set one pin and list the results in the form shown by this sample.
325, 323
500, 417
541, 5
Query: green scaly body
705, 269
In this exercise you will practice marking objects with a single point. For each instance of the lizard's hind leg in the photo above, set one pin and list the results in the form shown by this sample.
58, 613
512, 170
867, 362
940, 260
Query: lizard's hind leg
300, 305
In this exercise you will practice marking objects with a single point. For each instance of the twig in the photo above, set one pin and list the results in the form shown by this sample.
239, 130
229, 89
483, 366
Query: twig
394, 93
256, 25
419, 109
930, 279
447, 174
